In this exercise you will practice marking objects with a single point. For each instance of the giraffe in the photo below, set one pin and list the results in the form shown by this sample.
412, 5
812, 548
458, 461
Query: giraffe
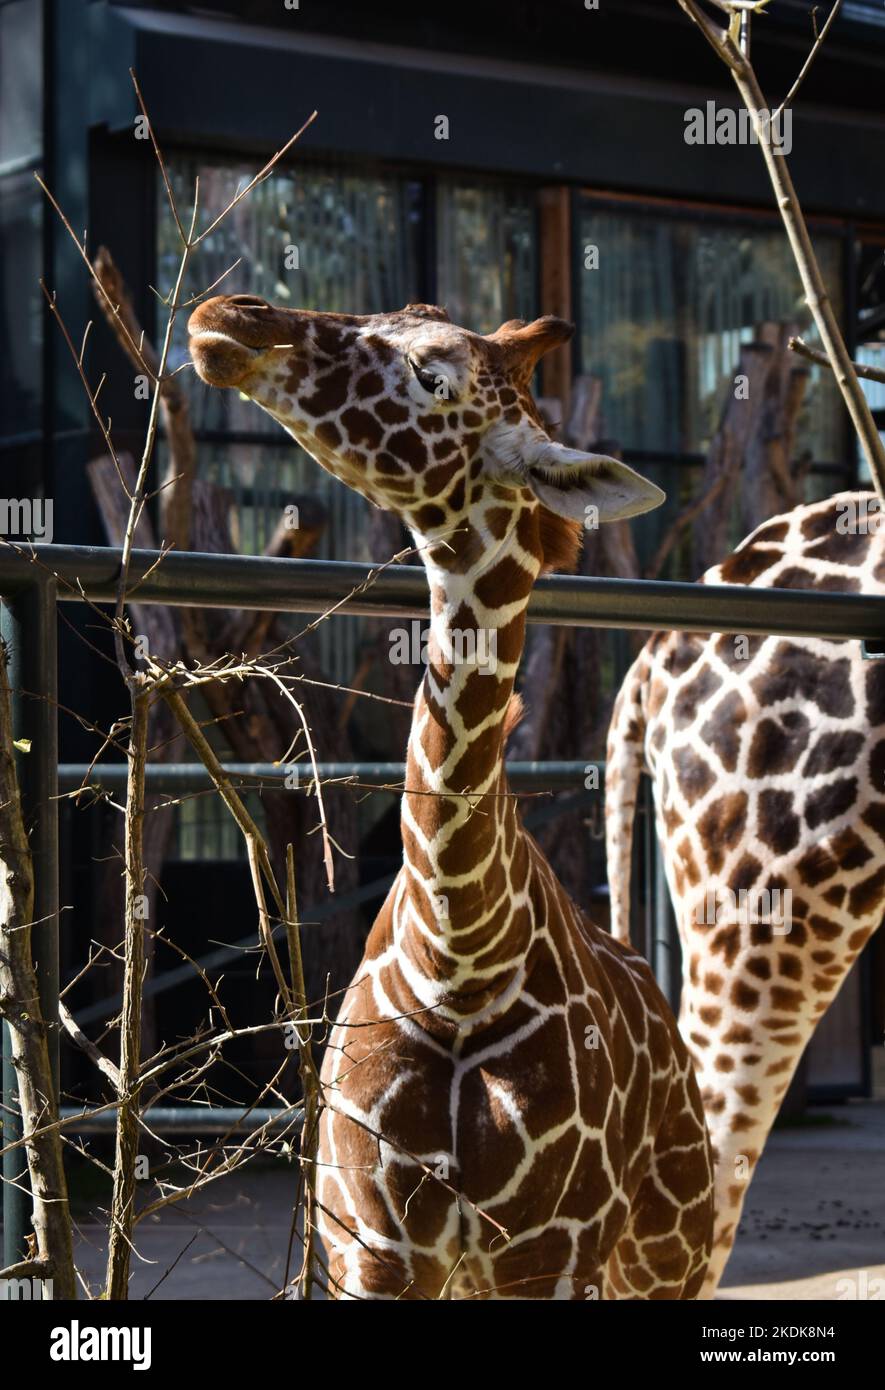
767, 760
508, 1108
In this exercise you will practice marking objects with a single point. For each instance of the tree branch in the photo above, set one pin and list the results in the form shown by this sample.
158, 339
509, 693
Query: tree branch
791, 94
123, 1200
802, 349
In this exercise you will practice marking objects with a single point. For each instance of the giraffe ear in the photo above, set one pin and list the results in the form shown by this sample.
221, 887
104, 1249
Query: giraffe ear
524, 344
570, 483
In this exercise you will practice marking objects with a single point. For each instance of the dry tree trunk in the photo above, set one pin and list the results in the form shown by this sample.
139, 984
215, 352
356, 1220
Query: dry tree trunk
750, 461
20, 1009
738, 424
123, 1200
772, 480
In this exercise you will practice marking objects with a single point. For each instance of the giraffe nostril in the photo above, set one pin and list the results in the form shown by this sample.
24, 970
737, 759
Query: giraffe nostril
248, 301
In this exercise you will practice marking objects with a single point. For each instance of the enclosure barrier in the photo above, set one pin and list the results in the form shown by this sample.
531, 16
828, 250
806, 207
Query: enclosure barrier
35, 578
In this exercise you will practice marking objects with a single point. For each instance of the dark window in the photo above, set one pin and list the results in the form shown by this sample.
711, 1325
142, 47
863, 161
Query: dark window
21, 83
665, 313
21, 320
486, 253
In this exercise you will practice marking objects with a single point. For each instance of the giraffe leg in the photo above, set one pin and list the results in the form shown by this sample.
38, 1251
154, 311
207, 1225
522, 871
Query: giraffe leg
664, 1250
735, 1159
360, 1272
653, 1263
743, 1068
547, 1265
751, 1000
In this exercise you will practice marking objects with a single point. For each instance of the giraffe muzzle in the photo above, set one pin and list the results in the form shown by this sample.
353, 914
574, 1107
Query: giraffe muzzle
229, 334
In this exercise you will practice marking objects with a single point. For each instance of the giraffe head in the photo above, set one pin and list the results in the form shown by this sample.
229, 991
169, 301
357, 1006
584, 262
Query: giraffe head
424, 418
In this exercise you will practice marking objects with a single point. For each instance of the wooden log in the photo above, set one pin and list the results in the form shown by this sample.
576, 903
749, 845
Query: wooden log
727, 452
772, 479
555, 259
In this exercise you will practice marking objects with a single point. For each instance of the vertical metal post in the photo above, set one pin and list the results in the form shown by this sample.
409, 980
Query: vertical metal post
661, 947
29, 629
665, 960
744, 40
646, 880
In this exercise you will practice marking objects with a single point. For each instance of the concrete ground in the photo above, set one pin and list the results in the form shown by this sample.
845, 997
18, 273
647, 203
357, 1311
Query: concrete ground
814, 1218
815, 1215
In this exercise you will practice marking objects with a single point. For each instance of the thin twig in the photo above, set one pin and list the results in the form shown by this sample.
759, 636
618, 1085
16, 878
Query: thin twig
791, 94
123, 1199
802, 349
259, 178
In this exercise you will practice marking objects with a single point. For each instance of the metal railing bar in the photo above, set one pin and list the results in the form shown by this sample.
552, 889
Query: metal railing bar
174, 778
185, 1119
312, 586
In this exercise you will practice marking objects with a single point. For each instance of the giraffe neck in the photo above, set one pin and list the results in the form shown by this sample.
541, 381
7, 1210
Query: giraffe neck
462, 917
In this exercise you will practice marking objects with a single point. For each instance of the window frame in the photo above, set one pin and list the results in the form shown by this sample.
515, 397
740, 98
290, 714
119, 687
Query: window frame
847, 232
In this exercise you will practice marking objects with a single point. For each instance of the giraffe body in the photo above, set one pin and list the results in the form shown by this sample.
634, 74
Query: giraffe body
509, 1110
767, 760
547, 1114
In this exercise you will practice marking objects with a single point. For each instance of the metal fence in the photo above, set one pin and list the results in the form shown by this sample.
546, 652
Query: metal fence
34, 579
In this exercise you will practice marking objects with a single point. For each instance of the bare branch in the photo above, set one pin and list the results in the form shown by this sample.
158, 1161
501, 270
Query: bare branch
123, 1200
72, 1028
25, 1024
259, 178
819, 38
802, 349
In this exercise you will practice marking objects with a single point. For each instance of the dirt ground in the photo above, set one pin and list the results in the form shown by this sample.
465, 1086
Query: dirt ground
814, 1216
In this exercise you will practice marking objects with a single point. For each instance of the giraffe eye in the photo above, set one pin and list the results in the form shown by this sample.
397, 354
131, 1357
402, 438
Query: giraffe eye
433, 382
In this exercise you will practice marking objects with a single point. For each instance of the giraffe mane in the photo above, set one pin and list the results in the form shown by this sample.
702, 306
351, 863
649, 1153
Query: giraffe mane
560, 539
513, 714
